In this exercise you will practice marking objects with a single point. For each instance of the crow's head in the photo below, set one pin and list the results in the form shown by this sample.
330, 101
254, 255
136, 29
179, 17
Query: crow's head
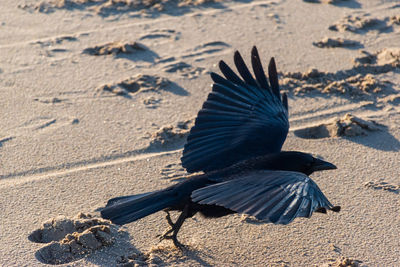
298, 162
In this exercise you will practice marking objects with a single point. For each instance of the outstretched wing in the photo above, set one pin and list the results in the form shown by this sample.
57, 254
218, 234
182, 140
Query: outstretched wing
273, 196
240, 118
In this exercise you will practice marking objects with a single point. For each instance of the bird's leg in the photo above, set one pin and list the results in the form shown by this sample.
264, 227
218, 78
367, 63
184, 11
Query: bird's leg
168, 218
175, 227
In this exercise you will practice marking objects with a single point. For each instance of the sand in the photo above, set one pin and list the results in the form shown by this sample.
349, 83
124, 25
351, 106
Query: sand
97, 98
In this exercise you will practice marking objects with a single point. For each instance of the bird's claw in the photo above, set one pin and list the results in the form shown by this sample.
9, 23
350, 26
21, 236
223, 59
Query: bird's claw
165, 235
168, 236
171, 234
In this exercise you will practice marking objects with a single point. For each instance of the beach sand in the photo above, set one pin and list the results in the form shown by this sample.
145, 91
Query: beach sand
97, 98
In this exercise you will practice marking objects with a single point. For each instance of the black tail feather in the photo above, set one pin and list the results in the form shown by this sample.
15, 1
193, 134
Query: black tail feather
123, 210
116, 200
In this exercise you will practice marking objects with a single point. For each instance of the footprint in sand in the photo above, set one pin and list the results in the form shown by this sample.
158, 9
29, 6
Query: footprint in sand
174, 172
198, 53
37, 125
381, 185
45, 123
56, 41
206, 49
49, 100
161, 34
348, 126
52, 46
152, 102
72, 239
184, 69
5, 139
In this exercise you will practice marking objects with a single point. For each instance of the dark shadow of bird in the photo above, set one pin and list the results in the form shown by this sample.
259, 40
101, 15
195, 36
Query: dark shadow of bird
236, 142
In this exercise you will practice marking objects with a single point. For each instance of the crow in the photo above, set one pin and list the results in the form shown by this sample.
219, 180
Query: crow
236, 142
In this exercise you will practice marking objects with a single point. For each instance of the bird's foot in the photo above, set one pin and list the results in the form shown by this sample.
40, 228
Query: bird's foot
168, 236
172, 233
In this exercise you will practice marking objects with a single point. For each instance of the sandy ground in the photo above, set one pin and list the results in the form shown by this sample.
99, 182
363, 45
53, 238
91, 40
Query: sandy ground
96, 99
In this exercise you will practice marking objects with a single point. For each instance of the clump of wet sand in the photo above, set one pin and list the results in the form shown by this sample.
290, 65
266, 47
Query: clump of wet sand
360, 80
387, 57
363, 23
171, 135
77, 245
342, 262
324, 82
114, 48
335, 42
72, 239
354, 23
107, 7
394, 20
132, 260
353, 84
136, 84
166, 135
391, 99
52, 5
348, 126
158, 255
57, 228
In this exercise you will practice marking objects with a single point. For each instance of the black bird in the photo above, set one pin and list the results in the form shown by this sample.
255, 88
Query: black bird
236, 141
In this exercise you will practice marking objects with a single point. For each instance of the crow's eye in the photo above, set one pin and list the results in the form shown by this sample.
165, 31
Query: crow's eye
312, 162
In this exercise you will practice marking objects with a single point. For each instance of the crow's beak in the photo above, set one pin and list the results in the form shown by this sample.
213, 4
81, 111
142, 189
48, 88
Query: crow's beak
320, 165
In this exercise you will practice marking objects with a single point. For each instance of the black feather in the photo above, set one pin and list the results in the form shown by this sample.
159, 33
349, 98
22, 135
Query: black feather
273, 77
258, 69
243, 70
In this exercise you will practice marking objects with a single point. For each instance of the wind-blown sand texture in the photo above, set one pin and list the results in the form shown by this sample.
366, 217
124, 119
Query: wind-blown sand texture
97, 98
